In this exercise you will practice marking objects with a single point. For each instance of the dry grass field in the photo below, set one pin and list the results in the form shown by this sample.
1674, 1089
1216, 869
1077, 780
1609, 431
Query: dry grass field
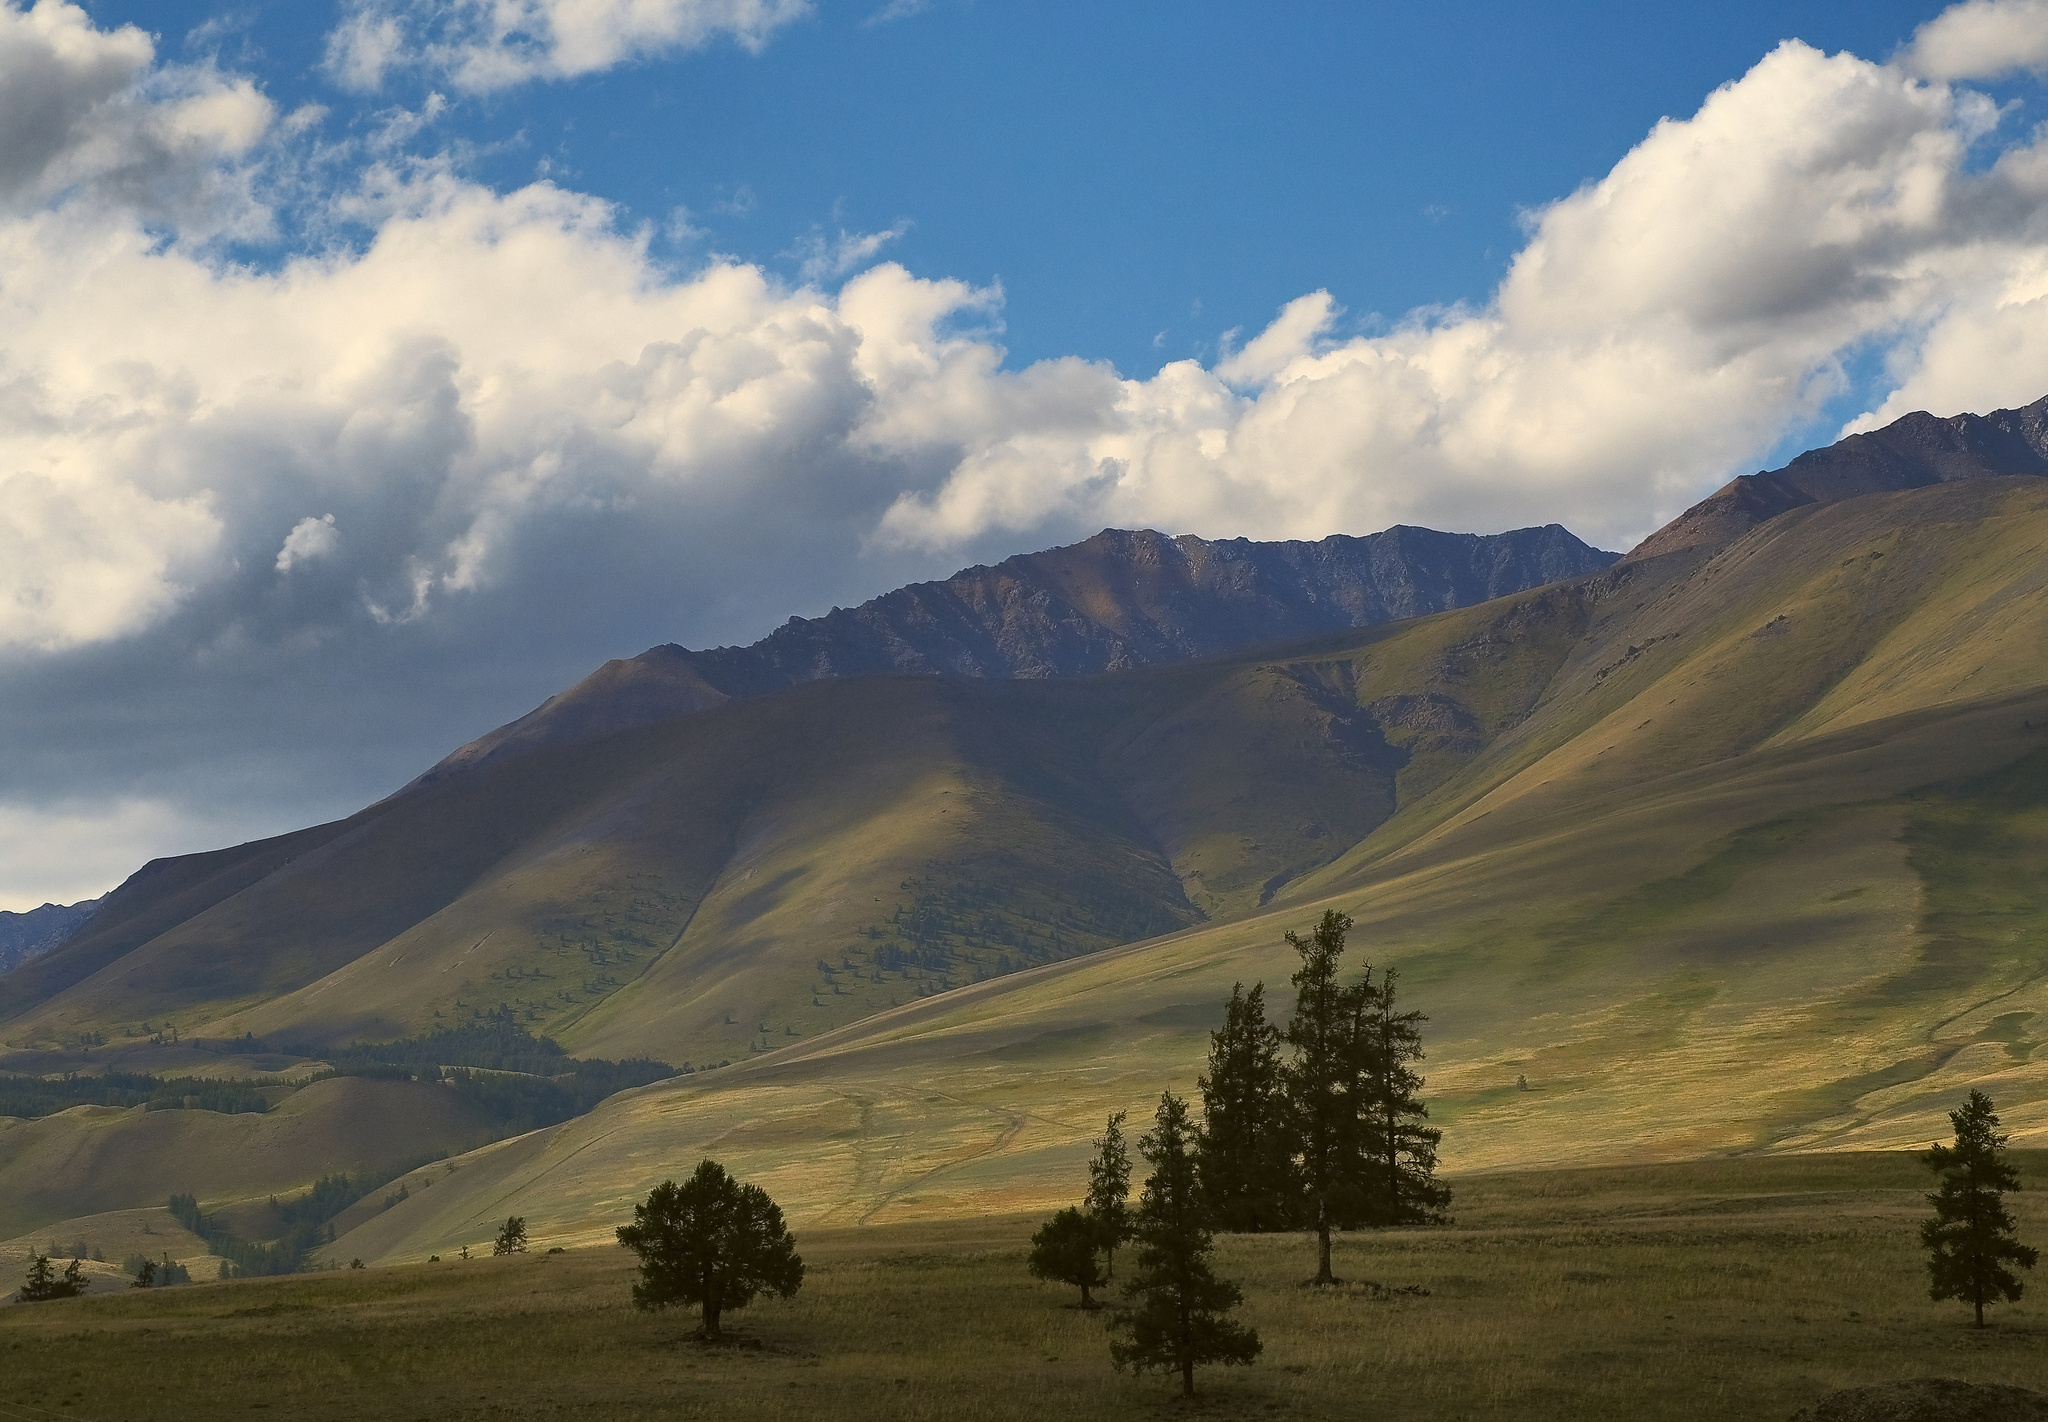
1725, 1289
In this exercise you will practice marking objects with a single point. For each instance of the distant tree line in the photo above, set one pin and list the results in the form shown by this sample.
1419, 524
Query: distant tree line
518, 1080
303, 1223
29, 1097
988, 928
159, 1273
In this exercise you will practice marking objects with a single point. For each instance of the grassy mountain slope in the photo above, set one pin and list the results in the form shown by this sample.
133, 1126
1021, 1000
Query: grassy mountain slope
1813, 922
93, 1159
718, 884
1719, 851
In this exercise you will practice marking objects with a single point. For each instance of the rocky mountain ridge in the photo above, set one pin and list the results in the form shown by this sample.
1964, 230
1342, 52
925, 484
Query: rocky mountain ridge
1120, 600
27, 936
1912, 452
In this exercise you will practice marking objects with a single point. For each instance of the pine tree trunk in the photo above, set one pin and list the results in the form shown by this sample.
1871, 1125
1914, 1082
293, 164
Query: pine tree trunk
1393, 1167
710, 1317
1187, 1377
1323, 1274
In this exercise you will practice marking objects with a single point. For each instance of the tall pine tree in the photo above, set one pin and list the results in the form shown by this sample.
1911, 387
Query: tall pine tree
1972, 1238
1397, 1148
1109, 1191
1178, 1323
1247, 1166
1322, 1102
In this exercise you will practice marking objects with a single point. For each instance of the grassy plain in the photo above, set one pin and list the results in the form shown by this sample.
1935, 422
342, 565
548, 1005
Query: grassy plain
1735, 1288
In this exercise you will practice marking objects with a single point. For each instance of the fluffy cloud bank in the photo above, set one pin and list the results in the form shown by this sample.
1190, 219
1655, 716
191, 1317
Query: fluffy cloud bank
371, 480
87, 118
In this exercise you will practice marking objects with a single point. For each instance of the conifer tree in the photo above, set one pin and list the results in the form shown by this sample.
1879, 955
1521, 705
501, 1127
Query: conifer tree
1179, 1320
1109, 1192
44, 1282
1320, 1083
1972, 1238
713, 1242
512, 1238
1397, 1173
1065, 1251
1247, 1167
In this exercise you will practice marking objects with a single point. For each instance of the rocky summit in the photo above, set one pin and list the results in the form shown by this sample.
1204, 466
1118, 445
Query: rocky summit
1120, 600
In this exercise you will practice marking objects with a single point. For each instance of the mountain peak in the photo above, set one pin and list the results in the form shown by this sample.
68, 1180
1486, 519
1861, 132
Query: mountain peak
1911, 452
1121, 599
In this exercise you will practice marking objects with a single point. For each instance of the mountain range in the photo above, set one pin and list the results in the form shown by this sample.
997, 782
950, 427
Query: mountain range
1120, 600
1735, 846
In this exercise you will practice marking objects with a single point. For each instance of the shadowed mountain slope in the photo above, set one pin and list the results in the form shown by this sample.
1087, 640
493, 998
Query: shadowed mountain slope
1117, 601
1911, 452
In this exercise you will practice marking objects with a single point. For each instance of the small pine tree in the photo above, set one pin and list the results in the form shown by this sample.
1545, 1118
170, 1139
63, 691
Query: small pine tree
1397, 1173
1179, 1321
713, 1242
1246, 1167
1322, 1103
1109, 1192
512, 1238
1066, 1250
1972, 1238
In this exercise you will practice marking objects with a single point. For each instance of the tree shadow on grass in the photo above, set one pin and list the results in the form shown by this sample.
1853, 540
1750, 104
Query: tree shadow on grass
1365, 1289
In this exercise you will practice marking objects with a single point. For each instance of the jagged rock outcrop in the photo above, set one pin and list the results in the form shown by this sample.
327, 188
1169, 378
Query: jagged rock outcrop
1119, 600
27, 936
1910, 453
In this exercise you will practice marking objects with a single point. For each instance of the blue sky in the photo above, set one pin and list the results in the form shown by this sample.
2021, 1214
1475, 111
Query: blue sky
1140, 177
374, 369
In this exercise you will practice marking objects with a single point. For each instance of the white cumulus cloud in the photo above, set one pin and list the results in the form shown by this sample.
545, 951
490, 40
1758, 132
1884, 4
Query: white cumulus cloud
484, 45
1981, 39
86, 115
1660, 327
